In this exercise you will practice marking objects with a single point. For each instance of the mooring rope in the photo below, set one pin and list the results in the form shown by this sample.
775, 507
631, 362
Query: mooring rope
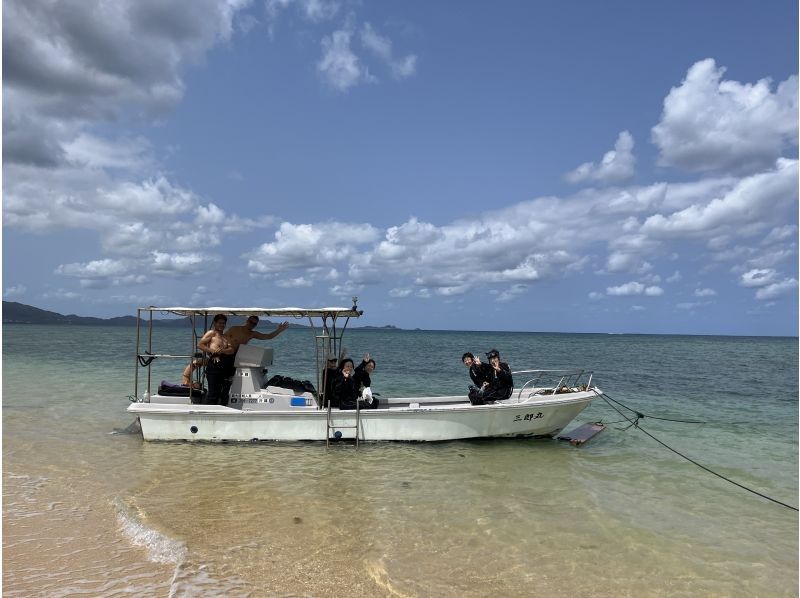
635, 424
640, 415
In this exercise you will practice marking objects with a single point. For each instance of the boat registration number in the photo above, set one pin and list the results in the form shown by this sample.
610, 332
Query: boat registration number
528, 416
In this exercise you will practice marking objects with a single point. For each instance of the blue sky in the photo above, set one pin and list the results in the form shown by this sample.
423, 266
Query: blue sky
539, 166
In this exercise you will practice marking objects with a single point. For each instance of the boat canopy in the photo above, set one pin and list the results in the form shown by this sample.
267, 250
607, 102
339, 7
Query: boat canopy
328, 332
286, 312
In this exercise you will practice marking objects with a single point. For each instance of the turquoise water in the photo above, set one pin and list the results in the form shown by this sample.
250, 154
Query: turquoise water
99, 513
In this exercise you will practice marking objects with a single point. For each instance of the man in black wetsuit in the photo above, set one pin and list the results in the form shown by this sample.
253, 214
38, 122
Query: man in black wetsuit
328, 376
478, 372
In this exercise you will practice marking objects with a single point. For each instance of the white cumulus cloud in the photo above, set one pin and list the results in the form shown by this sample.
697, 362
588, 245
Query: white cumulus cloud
709, 123
776, 289
616, 166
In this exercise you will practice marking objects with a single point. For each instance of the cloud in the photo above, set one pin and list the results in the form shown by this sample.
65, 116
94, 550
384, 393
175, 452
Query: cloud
704, 292
70, 68
780, 234
312, 10
15, 291
339, 66
94, 152
653, 291
634, 288
343, 69
180, 264
294, 283
61, 294
512, 293
713, 124
758, 277
309, 246
94, 269
381, 47
616, 166
692, 305
66, 64
104, 273
776, 289
629, 288
756, 201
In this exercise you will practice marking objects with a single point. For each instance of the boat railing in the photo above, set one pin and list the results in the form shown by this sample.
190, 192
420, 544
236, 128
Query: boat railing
551, 382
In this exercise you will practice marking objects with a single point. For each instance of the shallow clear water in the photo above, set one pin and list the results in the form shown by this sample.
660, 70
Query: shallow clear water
104, 514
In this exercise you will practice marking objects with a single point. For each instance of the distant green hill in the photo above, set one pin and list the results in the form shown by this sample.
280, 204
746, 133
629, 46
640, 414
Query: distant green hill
19, 313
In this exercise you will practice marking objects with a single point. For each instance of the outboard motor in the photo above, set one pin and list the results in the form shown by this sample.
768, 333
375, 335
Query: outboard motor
249, 378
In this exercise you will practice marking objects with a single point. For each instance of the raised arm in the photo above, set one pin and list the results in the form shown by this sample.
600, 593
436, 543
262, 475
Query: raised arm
266, 336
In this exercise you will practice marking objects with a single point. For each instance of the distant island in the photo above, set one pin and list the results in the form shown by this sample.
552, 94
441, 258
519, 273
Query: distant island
19, 313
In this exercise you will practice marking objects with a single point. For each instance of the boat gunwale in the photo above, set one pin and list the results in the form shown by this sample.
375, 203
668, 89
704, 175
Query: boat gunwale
463, 405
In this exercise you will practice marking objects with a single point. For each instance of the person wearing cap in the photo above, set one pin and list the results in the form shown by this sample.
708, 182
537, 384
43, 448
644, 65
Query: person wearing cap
500, 380
328, 376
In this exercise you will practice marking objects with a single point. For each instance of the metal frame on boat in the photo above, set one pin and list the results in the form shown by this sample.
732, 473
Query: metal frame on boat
546, 402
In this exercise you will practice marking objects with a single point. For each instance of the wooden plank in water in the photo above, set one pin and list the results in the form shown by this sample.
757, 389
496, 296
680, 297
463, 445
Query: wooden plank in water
582, 433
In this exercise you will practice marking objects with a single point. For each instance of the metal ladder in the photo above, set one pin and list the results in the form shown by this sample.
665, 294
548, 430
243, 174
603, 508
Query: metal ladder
356, 426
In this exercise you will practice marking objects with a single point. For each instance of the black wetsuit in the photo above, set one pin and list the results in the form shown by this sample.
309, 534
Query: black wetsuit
329, 376
219, 372
500, 384
480, 373
345, 391
361, 376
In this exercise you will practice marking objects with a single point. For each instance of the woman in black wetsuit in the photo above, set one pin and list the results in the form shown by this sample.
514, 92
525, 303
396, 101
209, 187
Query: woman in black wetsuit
500, 381
346, 387
364, 369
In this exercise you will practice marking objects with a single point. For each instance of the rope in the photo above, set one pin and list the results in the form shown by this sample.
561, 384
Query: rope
640, 415
145, 361
635, 424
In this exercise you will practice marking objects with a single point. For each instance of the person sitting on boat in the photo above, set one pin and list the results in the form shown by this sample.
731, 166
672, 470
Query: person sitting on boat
500, 383
362, 372
478, 372
328, 376
241, 335
345, 391
220, 360
187, 371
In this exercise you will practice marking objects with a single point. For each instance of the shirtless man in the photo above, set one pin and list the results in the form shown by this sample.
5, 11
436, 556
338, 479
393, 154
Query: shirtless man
241, 335
220, 360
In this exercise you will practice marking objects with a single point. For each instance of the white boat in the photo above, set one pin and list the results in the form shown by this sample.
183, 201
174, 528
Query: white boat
541, 407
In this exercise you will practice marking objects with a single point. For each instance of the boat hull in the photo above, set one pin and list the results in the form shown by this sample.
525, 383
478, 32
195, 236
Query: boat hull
415, 422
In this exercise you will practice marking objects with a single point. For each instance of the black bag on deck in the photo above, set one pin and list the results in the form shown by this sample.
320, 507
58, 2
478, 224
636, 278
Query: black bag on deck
167, 389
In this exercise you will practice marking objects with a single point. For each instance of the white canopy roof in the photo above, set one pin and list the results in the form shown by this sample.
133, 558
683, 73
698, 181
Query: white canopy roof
282, 312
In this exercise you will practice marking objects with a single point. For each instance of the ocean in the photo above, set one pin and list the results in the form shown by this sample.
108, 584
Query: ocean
90, 511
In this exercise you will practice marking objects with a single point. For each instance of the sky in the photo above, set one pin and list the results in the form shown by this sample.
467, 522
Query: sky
576, 166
